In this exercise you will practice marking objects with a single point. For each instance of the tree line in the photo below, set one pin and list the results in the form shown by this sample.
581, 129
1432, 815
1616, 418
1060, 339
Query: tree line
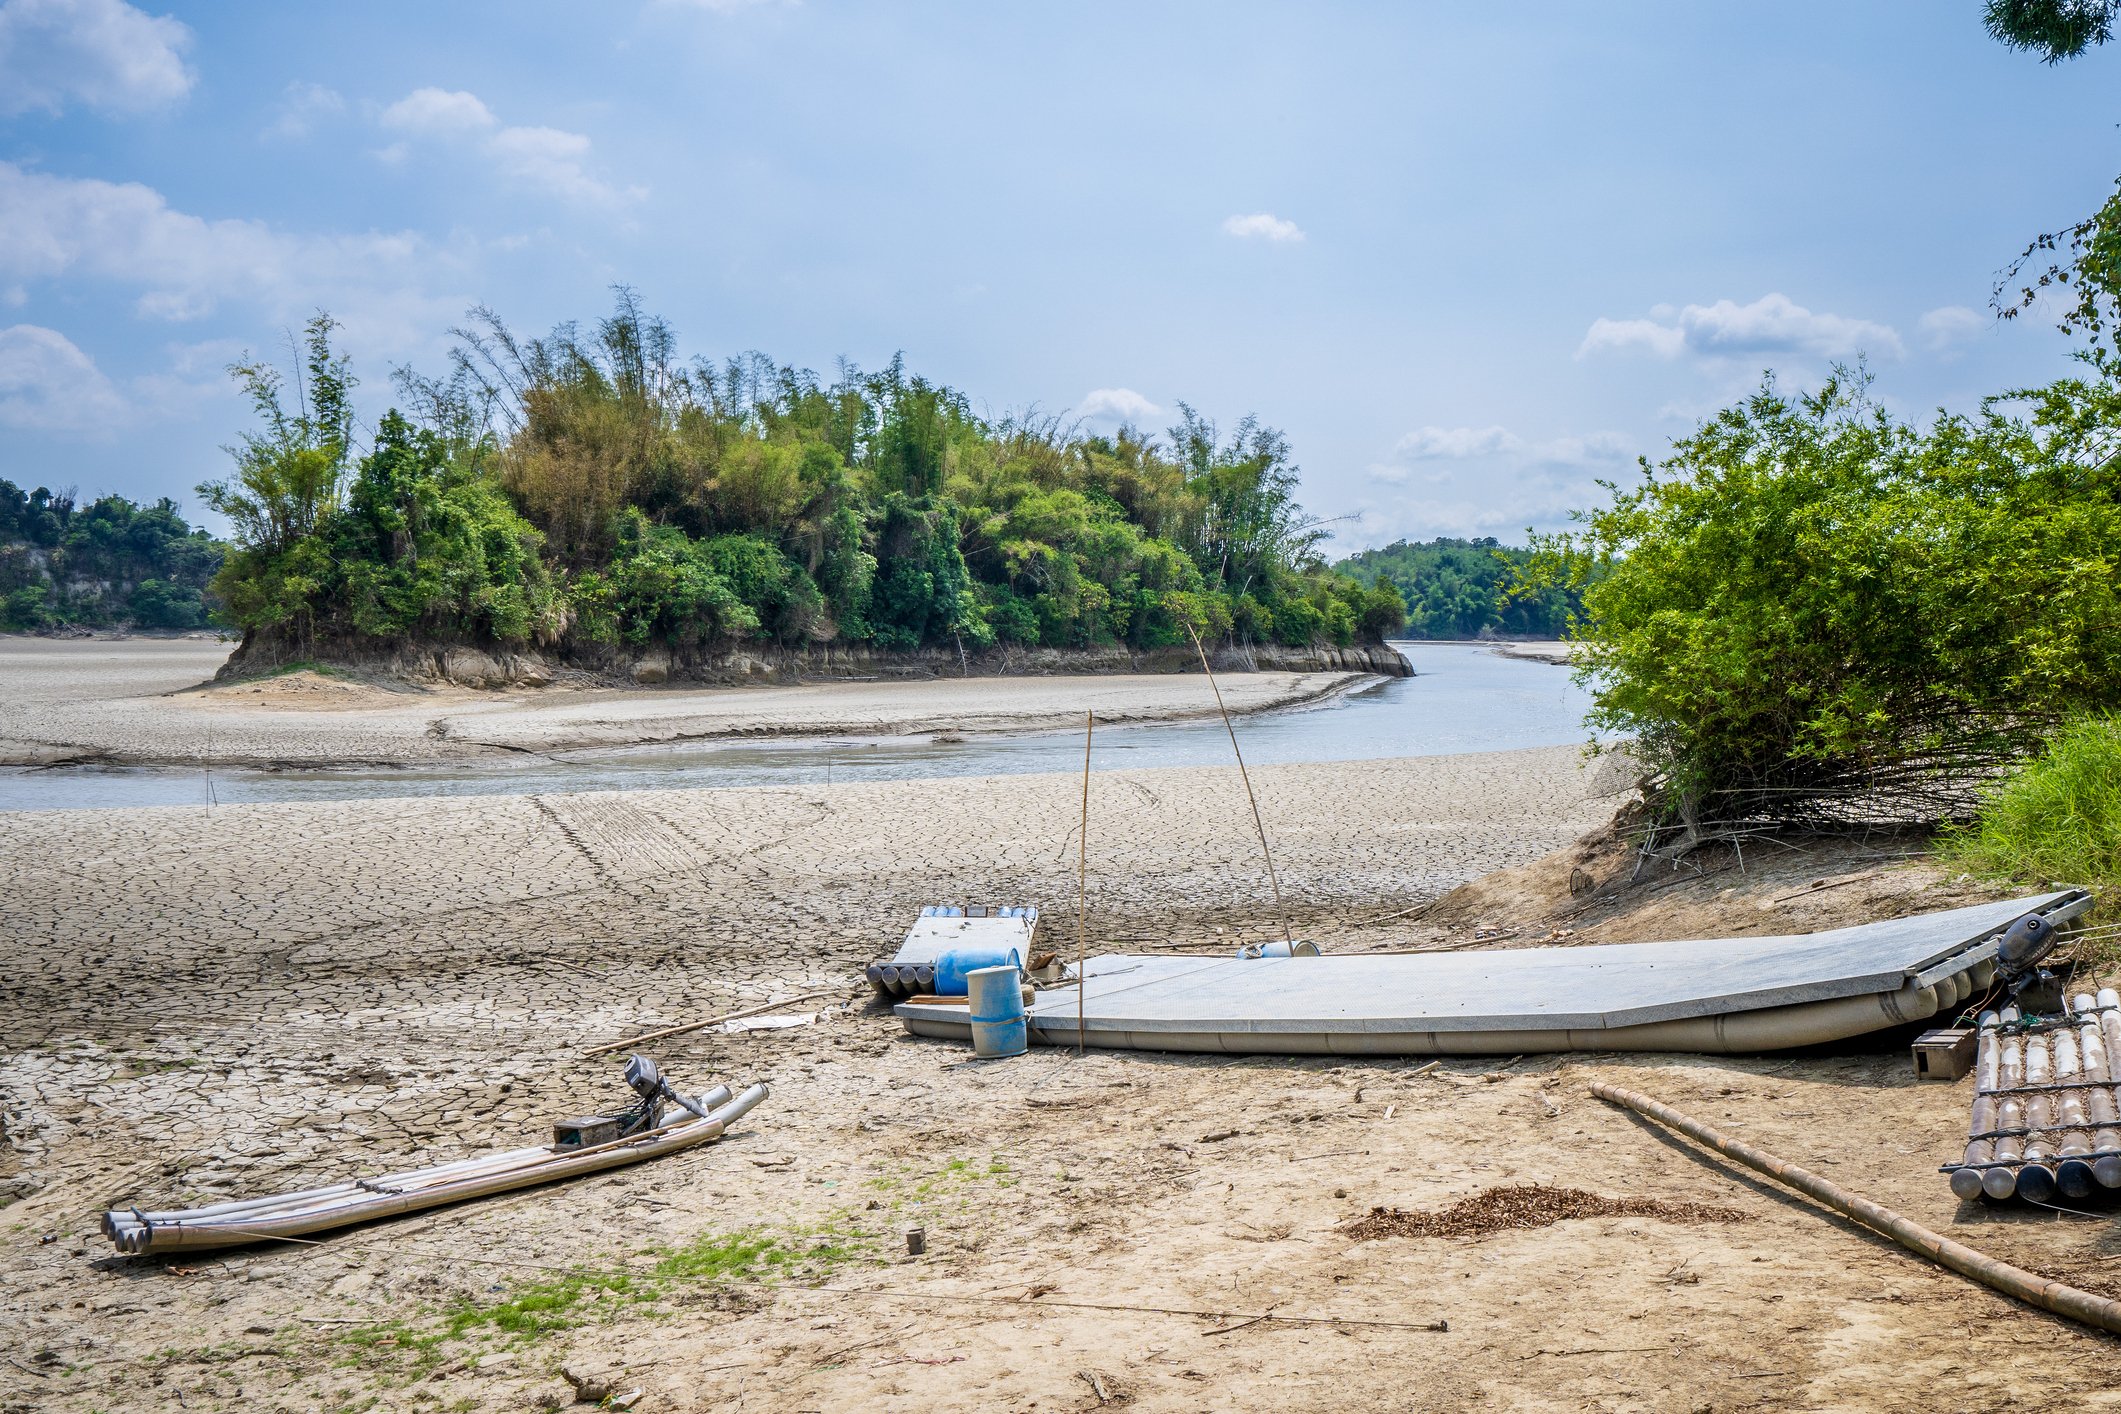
589, 490
1466, 588
110, 564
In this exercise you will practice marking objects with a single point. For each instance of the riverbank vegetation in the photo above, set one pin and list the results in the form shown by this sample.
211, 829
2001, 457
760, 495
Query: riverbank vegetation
588, 491
1466, 589
1814, 610
110, 564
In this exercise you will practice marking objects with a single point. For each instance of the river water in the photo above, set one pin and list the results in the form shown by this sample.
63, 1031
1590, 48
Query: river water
1463, 697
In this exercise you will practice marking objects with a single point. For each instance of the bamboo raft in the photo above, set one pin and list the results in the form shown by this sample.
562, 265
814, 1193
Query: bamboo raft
2046, 1116
295, 1215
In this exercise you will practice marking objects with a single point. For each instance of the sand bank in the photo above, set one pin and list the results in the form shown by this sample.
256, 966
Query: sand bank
139, 701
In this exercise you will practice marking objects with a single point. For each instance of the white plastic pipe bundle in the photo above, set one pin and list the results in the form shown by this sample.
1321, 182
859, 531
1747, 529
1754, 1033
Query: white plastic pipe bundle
2047, 1106
341, 1205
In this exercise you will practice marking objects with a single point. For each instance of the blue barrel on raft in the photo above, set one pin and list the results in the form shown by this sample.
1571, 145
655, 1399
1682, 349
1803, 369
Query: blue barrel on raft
953, 966
997, 1007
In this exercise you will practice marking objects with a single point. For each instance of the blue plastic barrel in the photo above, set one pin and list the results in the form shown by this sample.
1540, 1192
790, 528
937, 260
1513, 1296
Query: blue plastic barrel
997, 1007
951, 967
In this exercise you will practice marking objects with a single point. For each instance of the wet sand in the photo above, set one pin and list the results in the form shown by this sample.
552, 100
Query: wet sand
196, 1005
141, 702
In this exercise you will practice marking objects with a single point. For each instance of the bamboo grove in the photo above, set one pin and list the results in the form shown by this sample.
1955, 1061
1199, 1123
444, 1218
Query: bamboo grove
588, 489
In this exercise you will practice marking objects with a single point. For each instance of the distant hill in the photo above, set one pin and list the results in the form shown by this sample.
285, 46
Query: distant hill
111, 564
1459, 588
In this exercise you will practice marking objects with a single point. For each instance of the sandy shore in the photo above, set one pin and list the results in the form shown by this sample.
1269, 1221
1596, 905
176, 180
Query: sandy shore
139, 701
197, 1005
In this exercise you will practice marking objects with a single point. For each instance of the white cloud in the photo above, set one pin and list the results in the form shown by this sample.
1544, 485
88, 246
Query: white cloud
302, 107
1456, 442
1117, 406
437, 112
103, 53
1615, 335
183, 265
549, 159
1263, 226
1944, 330
1586, 448
1482, 480
555, 161
1771, 324
49, 385
1381, 522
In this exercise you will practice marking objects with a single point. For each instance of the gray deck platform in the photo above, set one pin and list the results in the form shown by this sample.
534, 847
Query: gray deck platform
1605, 996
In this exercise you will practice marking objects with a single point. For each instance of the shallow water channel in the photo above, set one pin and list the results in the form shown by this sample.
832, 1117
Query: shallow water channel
1463, 697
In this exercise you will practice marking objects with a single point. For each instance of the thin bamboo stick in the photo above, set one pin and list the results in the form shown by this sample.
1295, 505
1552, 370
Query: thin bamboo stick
1082, 888
1257, 824
680, 1030
2044, 1292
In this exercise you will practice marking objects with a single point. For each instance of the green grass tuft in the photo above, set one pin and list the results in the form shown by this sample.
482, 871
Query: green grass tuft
2057, 819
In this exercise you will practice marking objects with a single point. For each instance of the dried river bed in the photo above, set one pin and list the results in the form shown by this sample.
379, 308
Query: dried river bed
195, 1006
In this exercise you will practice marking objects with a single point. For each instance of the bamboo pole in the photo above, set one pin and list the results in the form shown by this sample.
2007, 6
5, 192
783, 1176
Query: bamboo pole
684, 1027
1082, 888
2044, 1292
1281, 911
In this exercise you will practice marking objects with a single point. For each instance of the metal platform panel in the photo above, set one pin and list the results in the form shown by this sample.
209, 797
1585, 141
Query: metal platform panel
1217, 1003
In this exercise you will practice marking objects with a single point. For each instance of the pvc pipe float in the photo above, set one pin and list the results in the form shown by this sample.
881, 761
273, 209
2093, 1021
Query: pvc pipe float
1280, 949
2044, 1292
955, 965
407, 1178
996, 1010
1732, 1033
189, 1231
1966, 1182
2099, 1099
2073, 1174
2036, 1177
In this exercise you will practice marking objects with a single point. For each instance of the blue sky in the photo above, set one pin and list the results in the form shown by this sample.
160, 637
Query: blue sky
1469, 258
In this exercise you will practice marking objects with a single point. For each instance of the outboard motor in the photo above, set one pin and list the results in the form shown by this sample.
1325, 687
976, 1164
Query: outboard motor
646, 1079
2025, 944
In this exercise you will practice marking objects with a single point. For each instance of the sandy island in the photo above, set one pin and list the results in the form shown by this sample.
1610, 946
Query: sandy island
141, 702
202, 1004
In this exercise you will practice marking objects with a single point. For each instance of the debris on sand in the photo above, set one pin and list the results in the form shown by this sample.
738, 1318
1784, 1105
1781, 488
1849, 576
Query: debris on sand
1525, 1205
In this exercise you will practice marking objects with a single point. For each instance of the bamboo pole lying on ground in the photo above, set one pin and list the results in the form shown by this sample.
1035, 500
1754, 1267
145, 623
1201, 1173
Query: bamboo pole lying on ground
684, 1027
2040, 1291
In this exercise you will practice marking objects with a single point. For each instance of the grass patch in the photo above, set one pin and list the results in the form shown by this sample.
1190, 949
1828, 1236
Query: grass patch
527, 1311
2057, 819
530, 1310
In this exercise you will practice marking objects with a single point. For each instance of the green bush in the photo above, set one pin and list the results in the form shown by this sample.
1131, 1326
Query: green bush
1811, 608
2057, 819
157, 604
24, 610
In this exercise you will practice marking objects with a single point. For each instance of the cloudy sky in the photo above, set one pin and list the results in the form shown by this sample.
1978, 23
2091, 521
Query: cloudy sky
1469, 263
